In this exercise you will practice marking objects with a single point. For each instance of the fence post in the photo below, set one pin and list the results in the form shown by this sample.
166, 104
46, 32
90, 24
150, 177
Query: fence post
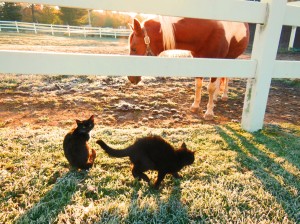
17, 28
34, 26
69, 31
100, 32
264, 51
84, 32
52, 30
292, 37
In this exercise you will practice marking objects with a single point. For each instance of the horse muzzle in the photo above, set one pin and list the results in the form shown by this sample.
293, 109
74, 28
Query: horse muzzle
134, 79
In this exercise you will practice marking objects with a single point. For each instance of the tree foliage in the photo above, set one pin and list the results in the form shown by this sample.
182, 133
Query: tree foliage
10, 11
50, 15
69, 16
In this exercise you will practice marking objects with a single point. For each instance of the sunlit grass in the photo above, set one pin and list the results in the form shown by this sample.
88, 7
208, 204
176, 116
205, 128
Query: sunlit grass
238, 177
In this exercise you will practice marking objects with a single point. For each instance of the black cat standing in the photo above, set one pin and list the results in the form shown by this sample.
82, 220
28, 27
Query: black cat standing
153, 153
76, 148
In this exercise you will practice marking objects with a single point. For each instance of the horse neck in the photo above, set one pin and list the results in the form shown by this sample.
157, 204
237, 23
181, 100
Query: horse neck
167, 30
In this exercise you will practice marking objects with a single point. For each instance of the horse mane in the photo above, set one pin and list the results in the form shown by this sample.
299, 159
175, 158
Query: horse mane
167, 29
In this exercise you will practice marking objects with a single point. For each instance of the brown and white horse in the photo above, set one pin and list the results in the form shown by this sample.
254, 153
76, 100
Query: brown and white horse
203, 38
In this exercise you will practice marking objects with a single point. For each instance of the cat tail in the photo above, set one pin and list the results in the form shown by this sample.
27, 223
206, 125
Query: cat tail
114, 152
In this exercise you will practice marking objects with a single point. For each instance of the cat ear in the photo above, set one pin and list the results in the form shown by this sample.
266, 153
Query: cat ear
183, 146
92, 118
78, 122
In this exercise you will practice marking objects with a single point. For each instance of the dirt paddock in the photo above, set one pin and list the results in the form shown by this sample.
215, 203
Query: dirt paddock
38, 100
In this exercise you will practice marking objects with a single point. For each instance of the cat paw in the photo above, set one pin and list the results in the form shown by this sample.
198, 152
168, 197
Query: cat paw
177, 176
155, 187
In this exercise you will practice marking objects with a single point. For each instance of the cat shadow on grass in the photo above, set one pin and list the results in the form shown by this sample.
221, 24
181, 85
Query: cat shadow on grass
158, 209
55, 200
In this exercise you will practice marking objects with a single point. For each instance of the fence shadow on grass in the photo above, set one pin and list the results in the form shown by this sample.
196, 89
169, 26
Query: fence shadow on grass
158, 210
49, 206
279, 143
266, 167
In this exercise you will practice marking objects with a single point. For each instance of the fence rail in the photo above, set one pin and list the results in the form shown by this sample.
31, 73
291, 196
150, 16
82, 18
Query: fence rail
62, 29
269, 15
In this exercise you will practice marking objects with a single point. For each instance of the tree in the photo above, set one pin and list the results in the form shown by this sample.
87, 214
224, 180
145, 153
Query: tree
49, 15
30, 12
72, 16
10, 12
110, 19
27, 14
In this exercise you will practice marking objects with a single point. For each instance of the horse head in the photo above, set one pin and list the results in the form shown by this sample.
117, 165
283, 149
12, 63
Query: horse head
137, 45
140, 44
136, 39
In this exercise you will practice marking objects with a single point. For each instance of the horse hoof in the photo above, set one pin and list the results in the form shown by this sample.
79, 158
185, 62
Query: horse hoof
224, 98
208, 117
194, 109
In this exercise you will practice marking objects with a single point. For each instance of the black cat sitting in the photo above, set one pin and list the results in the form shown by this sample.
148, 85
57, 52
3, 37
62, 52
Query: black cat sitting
153, 153
75, 145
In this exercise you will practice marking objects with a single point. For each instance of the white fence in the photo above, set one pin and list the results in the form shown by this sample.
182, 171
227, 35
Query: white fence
269, 15
62, 29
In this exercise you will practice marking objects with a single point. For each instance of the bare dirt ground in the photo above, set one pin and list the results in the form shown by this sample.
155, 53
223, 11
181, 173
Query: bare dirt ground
39, 100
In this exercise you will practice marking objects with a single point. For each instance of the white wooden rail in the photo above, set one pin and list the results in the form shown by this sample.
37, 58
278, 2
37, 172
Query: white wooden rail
269, 15
62, 29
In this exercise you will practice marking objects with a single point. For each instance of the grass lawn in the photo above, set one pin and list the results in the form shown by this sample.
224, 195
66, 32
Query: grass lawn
237, 177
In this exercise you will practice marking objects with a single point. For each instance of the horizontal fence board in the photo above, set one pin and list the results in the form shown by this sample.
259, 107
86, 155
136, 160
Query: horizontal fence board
292, 15
233, 10
28, 62
286, 69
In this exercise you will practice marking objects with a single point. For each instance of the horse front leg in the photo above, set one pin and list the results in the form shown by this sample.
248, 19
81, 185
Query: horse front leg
209, 114
197, 99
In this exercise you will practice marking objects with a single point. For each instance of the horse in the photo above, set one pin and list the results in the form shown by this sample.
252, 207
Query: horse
202, 37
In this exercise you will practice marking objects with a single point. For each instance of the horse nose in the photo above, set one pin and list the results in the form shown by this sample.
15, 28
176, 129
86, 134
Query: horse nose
134, 79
